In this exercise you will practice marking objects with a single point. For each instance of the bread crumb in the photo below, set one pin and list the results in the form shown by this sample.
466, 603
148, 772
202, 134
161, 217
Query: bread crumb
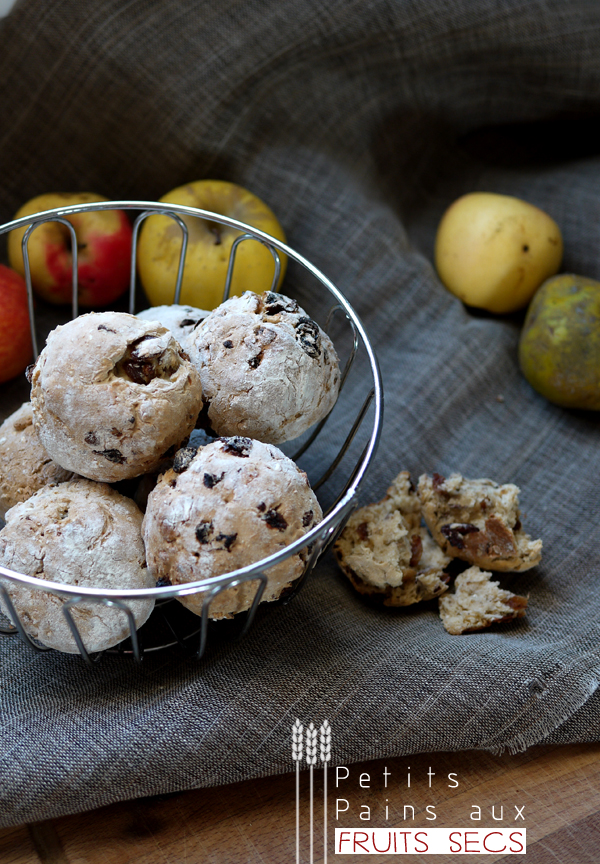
478, 603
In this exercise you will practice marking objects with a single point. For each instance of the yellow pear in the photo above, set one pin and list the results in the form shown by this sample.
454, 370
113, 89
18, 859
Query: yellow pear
494, 251
559, 349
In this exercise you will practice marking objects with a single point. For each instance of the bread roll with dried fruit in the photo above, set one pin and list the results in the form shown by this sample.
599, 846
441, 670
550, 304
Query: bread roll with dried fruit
223, 507
112, 394
386, 553
25, 466
77, 533
478, 521
268, 371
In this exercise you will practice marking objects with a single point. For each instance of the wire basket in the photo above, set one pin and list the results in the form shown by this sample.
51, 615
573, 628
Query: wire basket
170, 624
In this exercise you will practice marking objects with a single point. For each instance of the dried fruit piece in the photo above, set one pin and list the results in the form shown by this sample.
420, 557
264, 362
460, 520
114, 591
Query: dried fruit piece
274, 519
182, 459
456, 533
237, 446
273, 304
113, 455
227, 539
211, 480
146, 359
203, 531
308, 335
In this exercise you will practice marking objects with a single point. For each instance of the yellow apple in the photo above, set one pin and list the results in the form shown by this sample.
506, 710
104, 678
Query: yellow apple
103, 249
209, 246
494, 251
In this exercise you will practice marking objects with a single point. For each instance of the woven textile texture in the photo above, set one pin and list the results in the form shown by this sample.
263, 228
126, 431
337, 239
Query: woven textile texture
358, 122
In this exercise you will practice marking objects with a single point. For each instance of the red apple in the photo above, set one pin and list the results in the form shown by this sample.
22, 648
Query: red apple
15, 336
103, 247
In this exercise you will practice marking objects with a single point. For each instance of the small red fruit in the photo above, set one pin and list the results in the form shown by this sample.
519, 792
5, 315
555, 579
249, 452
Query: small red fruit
15, 335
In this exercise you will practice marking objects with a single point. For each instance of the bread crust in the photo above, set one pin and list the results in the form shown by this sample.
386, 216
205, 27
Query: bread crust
180, 320
25, 466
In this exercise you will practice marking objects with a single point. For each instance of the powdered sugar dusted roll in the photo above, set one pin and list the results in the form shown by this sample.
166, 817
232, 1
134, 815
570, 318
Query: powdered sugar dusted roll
231, 503
76, 533
111, 394
25, 465
268, 371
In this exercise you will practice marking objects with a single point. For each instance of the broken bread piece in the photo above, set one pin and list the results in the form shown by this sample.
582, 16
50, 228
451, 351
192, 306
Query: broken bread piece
478, 603
385, 553
478, 521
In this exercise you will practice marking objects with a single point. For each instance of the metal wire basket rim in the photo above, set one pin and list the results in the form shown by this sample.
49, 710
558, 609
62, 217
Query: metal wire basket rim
345, 503
318, 533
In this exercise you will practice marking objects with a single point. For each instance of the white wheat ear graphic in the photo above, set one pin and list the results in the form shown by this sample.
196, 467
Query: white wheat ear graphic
311, 759
297, 730
311, 745
325, 747
325, 742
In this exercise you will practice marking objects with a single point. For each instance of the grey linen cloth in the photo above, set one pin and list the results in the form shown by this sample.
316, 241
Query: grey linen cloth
358, 122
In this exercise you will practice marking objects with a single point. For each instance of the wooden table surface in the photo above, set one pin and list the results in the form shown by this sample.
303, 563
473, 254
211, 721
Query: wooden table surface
254, 822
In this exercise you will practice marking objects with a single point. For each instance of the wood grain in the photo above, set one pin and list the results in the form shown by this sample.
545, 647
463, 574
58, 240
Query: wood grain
47, 843
16, 847
254, 822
